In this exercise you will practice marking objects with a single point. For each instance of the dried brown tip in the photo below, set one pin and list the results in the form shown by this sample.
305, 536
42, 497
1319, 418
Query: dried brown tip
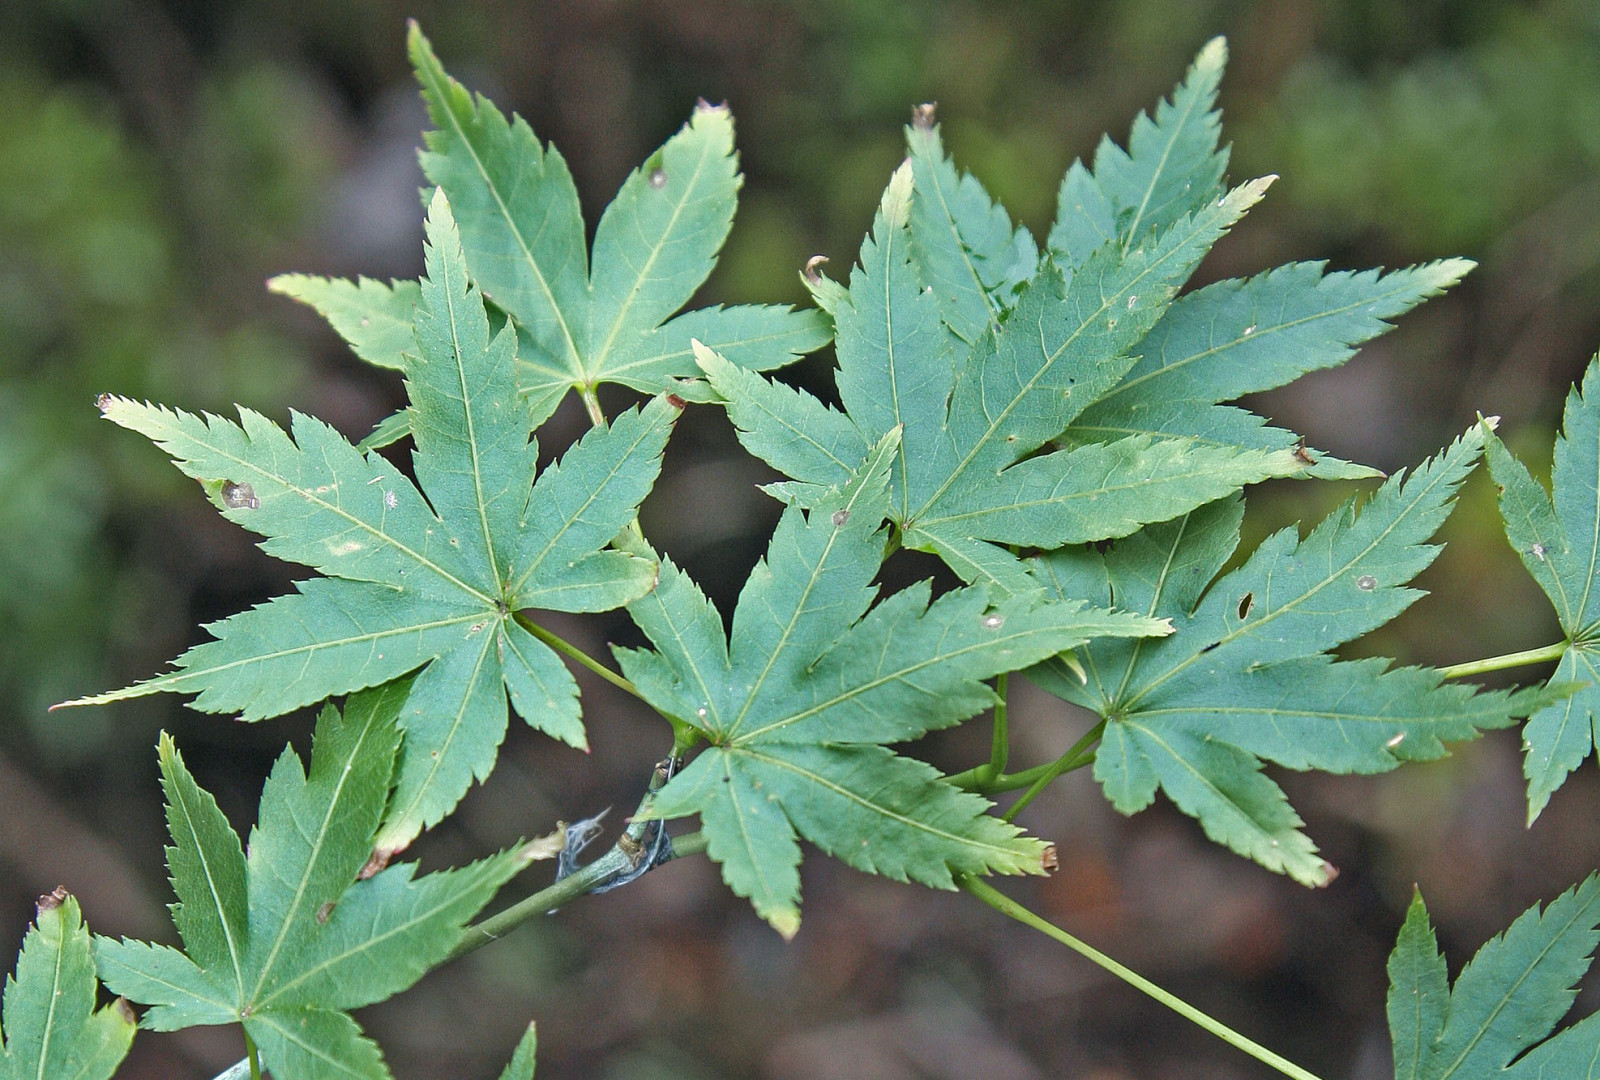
380, 859
1302, 455
811, 272
124, 1011
677, 402
702, 105
53, 899
1049, 860
102, 402
922, 115
1329, 873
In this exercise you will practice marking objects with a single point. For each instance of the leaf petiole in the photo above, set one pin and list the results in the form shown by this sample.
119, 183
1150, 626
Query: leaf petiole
253, 1056
1009, 907
974, 779
1506, 660
562, 645
1081, 754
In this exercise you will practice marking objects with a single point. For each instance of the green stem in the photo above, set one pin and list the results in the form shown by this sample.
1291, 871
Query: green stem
558, 895
591, 404
562, 645
975, 779
1507, 660
1000, 743
1081, 754
253, 1056
1009, 907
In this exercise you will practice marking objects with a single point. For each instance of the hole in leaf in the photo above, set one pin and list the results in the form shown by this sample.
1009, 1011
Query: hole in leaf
1246, 602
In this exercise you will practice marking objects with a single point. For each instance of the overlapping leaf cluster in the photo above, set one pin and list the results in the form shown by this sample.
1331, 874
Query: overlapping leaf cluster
1050, 421
1049, 399
1064, 397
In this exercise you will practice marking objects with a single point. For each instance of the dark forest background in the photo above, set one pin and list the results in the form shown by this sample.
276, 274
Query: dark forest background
159, 159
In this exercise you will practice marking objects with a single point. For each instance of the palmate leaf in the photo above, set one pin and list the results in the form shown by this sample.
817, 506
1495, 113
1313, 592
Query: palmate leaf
1247, 676
580, 325
1511, 996
1557, 536
953, 328
428, 578
798, 701
286, 939
50, 1026
969, 475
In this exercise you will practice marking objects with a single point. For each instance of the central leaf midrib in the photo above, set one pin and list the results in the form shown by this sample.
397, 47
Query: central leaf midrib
916, 824
339, 511
1510, 992
1259, 334
1082, 493
480, 498
1161, 163
180, 798
800, 606
311, 861
261, 658
596, 366
425, 787
902, 673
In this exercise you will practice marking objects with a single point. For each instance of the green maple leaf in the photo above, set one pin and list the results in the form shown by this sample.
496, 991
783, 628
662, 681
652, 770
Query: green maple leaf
51, 1027
1511, 996
800, 699
953, 327
1557, 536
1247, 675
969, 475
286, 940
608, 316
428, 578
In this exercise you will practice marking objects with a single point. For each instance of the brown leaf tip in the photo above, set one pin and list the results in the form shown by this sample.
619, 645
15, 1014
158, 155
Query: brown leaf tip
103, 403
811, 272
1329, 873
922, 116
380, 859
53, 899
703, 106
124, 1011
677, 402
1049, 860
